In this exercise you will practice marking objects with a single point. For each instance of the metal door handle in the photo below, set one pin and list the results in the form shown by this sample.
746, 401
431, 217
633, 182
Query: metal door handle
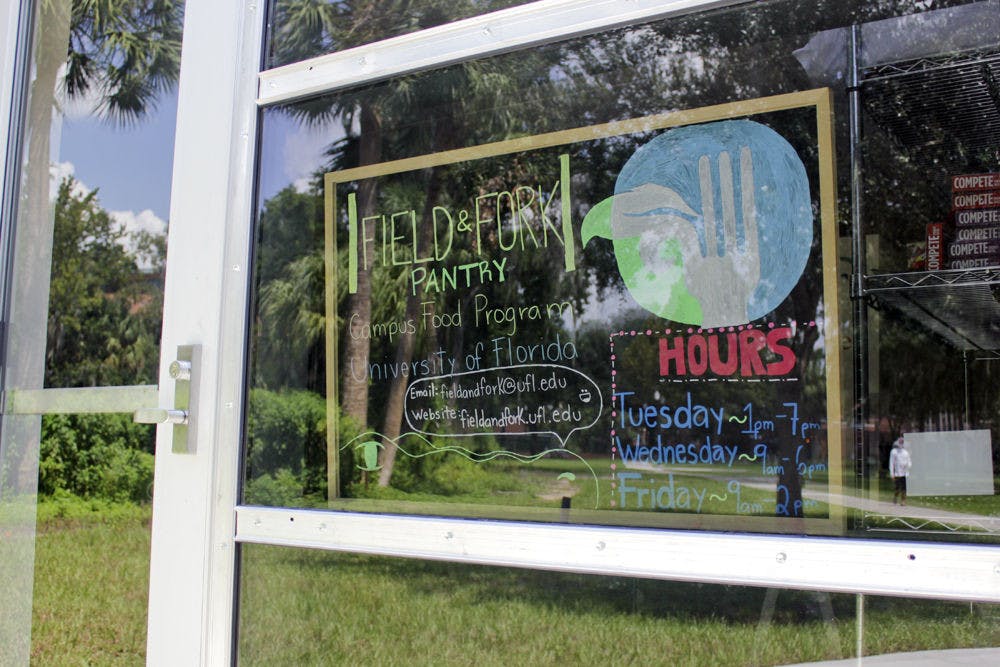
184, 371
160, 416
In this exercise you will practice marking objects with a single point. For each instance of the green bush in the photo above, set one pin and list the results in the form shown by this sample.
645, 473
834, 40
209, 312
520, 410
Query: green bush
280, 489
63, 507
286, 443
459, 476
96, 456
287, 449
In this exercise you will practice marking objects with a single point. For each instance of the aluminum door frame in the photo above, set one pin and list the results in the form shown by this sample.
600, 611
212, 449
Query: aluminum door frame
197, 523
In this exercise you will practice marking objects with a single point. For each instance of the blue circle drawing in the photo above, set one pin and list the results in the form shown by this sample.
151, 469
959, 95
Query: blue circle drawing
740, 176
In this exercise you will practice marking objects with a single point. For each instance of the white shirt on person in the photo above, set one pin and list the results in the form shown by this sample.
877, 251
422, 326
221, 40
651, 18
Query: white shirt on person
899, 462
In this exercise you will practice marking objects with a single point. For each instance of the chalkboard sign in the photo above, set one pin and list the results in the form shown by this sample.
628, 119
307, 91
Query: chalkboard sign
631, 323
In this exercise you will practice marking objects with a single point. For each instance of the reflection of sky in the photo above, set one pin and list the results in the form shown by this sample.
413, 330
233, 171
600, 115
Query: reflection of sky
292, 151
130, 166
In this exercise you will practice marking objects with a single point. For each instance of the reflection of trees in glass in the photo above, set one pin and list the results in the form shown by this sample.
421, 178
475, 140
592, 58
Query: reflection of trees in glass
104, 313
701, 60
308, 25
127, 52
306, 28
123, 54
289, 273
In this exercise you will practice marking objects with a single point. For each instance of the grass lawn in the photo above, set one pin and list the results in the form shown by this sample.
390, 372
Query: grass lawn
736, 491
983, 505
91, 585
305, 607
317, 608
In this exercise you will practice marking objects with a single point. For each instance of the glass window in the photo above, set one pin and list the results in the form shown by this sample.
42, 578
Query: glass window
606, 281
464, 614
928, 226
84, 306
111, 160
301, 29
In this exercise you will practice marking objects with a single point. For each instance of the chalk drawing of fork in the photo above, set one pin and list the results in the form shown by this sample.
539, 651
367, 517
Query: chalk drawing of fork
722, 277
725, 276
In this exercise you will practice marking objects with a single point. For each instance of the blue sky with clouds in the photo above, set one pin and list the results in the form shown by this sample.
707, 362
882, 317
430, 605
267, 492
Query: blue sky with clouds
131, 166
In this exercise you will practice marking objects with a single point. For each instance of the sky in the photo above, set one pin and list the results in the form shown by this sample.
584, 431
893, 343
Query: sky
293, 151
131, 166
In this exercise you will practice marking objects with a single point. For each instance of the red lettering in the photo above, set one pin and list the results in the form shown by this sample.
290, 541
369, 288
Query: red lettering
747, 350
697, 354
787, 362
675, 355
719, 367
751, 343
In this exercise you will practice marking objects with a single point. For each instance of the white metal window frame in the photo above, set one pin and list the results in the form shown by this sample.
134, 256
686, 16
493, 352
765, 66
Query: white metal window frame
9, 39
11, 43
17, 562
196, 521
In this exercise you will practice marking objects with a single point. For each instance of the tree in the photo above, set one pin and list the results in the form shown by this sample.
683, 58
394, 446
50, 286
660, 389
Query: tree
307, 28
128, 49
104, 313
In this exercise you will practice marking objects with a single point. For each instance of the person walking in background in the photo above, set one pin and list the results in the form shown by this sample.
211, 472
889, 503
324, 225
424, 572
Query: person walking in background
899, 468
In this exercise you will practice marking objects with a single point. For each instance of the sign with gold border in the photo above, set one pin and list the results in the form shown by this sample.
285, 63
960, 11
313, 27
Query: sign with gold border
709, 177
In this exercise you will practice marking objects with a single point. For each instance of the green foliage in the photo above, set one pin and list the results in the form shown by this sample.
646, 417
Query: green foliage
128, 49
104, 313
287, 464
287, 449
96, 456
103, 329
442, 476
291, 298
63, 509
456, 475
281, 488
286, 446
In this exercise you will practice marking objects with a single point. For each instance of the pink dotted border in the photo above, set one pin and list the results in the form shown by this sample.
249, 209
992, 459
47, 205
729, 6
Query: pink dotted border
666, 332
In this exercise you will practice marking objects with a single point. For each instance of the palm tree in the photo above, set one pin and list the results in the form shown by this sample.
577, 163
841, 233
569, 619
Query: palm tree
305, 28
128, 52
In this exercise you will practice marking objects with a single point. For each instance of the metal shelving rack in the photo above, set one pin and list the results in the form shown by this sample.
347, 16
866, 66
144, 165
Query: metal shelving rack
960, 306
943, 111
958, 94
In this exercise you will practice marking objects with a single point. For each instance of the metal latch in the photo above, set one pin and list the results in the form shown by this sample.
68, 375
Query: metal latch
184, 372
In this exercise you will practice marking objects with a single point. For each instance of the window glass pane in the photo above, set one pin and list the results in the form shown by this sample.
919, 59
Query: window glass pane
930, 226
301, 29
111, 160
311, 607
85, 303
937, 398
478, 319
